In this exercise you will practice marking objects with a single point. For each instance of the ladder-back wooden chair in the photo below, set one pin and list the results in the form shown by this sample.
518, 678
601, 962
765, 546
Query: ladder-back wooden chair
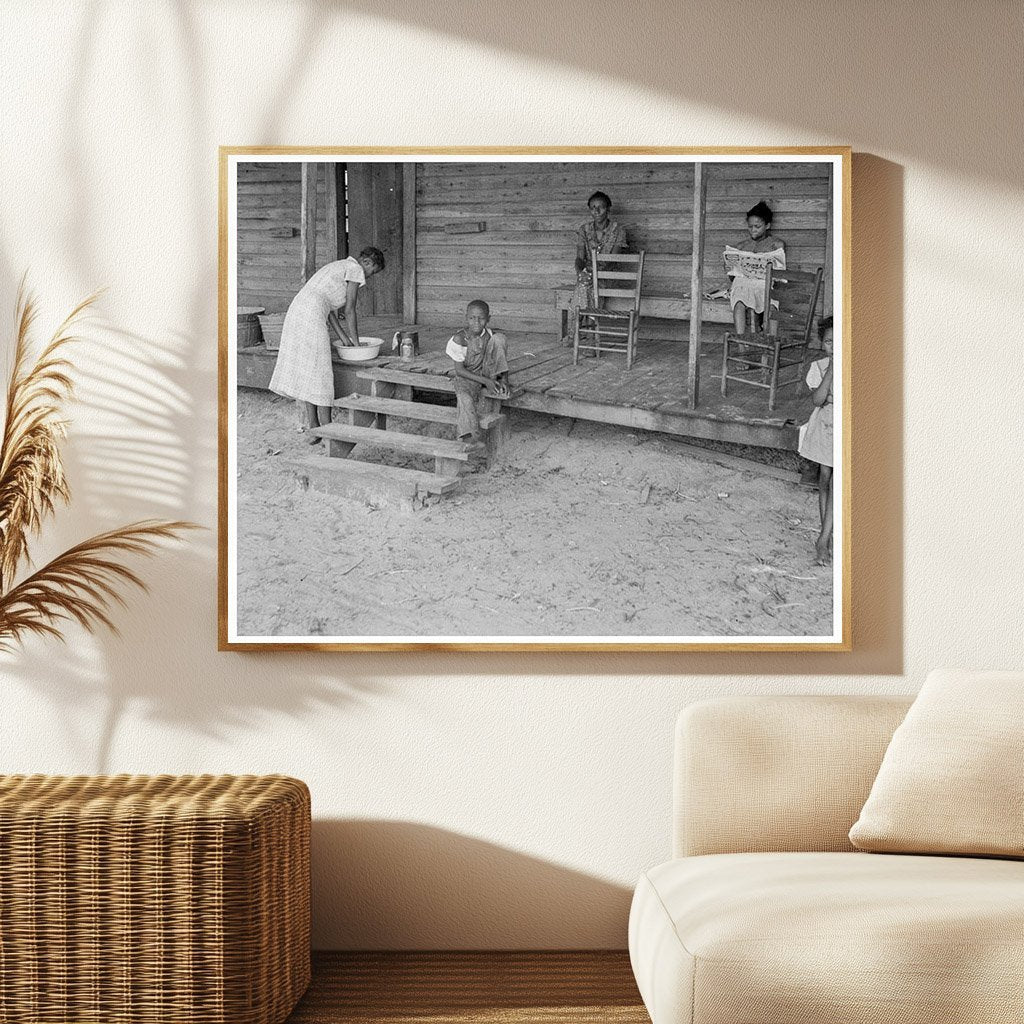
619, 276
763, 358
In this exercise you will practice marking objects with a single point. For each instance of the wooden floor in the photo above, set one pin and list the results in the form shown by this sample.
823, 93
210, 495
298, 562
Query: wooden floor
650, 396
465, 988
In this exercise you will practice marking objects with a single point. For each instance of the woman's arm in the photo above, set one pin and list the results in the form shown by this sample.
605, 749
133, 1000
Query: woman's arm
334, 322
582, 256
351, 320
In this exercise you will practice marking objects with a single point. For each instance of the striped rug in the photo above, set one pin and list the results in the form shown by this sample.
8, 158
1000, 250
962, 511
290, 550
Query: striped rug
464, 988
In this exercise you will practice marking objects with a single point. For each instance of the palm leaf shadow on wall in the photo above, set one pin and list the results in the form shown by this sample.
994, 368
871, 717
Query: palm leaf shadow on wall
82, 583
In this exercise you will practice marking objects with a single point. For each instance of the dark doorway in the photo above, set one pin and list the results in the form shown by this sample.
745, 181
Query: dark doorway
373, 194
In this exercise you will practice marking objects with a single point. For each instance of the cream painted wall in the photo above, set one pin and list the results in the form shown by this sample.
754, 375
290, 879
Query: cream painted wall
485, 800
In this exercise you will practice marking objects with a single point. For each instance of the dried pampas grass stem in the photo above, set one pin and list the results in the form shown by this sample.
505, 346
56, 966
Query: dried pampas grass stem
82, 583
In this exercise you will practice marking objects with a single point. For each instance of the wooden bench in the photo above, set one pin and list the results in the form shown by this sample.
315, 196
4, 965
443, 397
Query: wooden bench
403, 379
343, 437
378, 484
373, 410
369, 410
390, 384
665, 307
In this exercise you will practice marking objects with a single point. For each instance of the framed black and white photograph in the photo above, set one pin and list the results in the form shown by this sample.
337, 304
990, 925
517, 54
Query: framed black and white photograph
535, 399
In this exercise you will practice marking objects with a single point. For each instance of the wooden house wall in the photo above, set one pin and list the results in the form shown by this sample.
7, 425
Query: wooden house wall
531, 211
269, 237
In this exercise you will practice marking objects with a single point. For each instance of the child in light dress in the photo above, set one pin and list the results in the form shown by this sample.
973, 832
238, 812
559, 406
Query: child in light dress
816, 438
746, 292
480, 356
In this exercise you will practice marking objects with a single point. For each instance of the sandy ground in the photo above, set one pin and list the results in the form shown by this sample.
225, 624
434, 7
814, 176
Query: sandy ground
583, 530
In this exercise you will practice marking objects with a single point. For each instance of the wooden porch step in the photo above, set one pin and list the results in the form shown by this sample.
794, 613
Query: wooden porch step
427, 411
414, 444
415, 478
403, 490
393, 407
423, 381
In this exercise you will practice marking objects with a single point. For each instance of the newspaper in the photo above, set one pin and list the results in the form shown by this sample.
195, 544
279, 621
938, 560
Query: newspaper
742, 263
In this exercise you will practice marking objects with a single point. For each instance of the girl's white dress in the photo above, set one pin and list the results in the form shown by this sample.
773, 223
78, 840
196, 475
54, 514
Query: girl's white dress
748, 275
816, 434
303, 367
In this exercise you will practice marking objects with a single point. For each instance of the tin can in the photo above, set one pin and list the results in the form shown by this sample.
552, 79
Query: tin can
408, 349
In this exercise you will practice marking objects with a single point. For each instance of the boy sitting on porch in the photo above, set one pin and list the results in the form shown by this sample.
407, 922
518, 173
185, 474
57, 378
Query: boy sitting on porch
480, 356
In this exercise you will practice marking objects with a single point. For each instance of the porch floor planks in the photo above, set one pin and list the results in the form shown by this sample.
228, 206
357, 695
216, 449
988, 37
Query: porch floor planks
541, 377
523, 368
667, 393
528, 362
647, 385
566, 380
543, 374
607, 381
657, 383
592, 385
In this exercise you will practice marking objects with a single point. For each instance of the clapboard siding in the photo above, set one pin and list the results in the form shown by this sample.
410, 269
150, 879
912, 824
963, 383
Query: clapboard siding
270, 206
531, 212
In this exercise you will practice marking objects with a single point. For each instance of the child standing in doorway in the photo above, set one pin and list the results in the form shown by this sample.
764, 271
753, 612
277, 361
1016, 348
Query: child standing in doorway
816, 437
480, 356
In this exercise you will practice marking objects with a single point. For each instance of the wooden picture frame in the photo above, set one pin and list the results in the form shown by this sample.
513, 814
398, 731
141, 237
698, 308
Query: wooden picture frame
449, 221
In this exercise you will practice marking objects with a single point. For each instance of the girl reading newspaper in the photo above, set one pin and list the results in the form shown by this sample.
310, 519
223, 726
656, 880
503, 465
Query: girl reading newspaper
745, 265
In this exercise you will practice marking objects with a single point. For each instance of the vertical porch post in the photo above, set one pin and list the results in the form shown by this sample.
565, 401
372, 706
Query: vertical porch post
308, 220
829, 242
700, 195
331, 211
409, 242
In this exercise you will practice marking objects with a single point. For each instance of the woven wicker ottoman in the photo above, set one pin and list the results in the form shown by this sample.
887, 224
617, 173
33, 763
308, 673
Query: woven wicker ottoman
139, 899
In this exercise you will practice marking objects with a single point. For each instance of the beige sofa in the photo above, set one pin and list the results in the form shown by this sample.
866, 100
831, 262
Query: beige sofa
768, 915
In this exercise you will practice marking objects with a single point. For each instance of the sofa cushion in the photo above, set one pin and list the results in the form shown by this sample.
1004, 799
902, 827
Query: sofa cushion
829, 938
777, 772
950, 780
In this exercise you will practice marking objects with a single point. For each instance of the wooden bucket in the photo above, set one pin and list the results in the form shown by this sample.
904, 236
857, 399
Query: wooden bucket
249, 331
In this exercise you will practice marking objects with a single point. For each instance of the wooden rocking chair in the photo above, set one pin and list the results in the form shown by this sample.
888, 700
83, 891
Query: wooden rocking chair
762, 359
600, 329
